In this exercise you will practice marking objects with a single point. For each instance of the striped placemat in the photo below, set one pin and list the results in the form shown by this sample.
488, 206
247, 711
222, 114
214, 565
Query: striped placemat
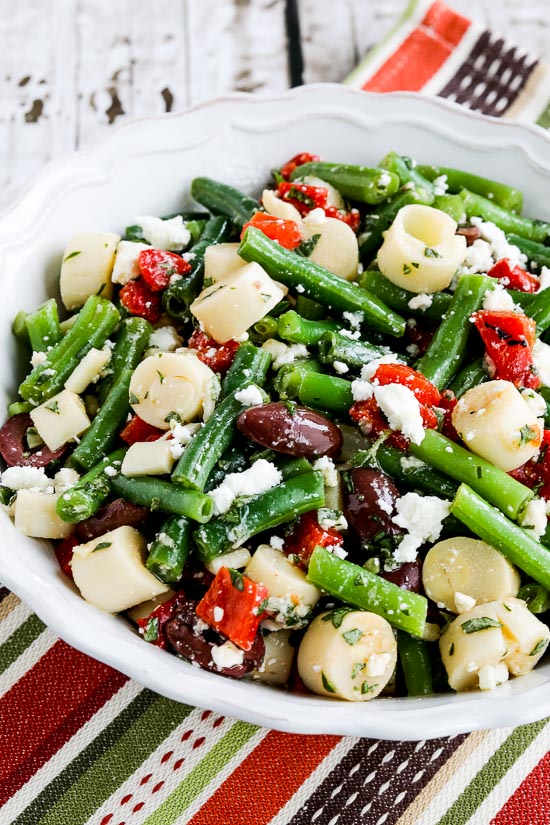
81, 743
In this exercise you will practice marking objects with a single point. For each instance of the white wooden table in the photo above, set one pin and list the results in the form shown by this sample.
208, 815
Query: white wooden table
71, 68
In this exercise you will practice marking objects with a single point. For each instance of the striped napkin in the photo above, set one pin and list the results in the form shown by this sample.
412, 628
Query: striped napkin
81, 743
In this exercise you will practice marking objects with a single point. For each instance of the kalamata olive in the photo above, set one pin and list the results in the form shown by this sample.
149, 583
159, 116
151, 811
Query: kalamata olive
471, 233
187, 636
117, 513
408, 576
369, 505
292, 430
15, 452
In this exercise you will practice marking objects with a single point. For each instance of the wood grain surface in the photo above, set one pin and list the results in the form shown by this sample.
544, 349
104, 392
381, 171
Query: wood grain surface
69, 69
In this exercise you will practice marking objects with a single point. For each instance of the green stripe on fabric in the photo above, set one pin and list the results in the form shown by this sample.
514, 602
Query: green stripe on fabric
119, 750
203, 773
19, 640
491, 773
544, 119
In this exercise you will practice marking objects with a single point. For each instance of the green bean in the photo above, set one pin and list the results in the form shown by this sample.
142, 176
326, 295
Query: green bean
43, 326
536, 597
538, 253
358, 183
318, 282
539, 311
19, 326
407, 172
545, 393
415, 663
326, 392
469, 376
452, 205
376, 224
478, 206
289, 378
310, 310
96, 321
178, 297
447, 348
398, 298
493, 527
287, 465
266, 328
292, 327
367, 591
281, 504
132, 339
489, 481
170, 550
334, 346
523, 299
151, 492
89, 493
233, 460
221, 199
415, 473
500, 193
250, 366
100, 437
19, 407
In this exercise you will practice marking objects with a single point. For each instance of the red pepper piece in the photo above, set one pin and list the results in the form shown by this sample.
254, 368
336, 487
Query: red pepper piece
139, 430
303, 197
240, 606
158, 266
509, 338
352, 217
64, 554
371, 422
218, 357
298, 160
287, 233
305, 537
153, 624
535, 473
139, 300
424, 391
514, 277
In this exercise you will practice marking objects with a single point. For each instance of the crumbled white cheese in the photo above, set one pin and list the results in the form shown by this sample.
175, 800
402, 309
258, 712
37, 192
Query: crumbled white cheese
347, 333
171, 234
337, 550
421, 301
331, 519
440, 185
361, 390
227, 655
250, 396
290, 354
544, 278
500, 248
492, 675
277, 542
218, 613
183, 433
534, 401
262, 476
340, 367
355, 319
377, 664
534, 517
384, 179
422, 517
400, 406
27, 478
38, 358
64, 479
165, 339
126, 267
463, 602
299, 289
315, 217
413, 349
478, 258
541, 361
325, 465
498, 299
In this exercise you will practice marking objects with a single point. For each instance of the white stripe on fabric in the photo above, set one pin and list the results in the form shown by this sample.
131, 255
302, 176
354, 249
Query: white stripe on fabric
511, 780
467, 771
27, 660
455, 60
13, 620
534, 97
329, 763
70, 750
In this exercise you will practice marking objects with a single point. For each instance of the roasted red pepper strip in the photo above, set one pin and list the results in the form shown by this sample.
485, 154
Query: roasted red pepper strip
158, 266
287, 233
303, 197
424, 391
152, 626
139, 430
64, 554
352, 218
298, 160
218, 357
307, 534
233, 605
514, 277
139, 300
509, 338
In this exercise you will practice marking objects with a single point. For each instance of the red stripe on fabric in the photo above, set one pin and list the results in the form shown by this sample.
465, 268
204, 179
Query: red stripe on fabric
272, 773
532, 796
59, 683
91, 705
422, 53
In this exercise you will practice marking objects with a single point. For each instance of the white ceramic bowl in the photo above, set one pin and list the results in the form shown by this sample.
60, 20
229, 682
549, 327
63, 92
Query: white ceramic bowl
146, 167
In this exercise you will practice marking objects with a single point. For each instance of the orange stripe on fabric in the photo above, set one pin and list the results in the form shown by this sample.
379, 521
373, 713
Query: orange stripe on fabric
531, 801
272, 773
446, 23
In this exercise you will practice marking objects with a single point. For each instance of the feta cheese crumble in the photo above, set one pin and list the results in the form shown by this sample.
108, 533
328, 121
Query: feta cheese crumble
492, 675
498, 299
250, 396
340, 367
262, 476
165, 339
126, 266
38, 358
535, 402
400, 406
218, 613
171, 234
421, 301
422, 517
377, 664
463, 602
325, 465
544, 278
354, 319
227, 655
541, 360
534, 517
27, 478
440, 185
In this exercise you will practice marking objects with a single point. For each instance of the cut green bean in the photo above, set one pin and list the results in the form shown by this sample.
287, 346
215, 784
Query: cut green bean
356, 586
469, 377
19, 407
310, 310
266, 328
318, 283
334, 346
539, 311
408, 173
493, 527
415, 473
399, 299
414, 657
358, 183
452, 205
170, 550
489, 481
326, 392
292, 327
281, 504
537, 253
536, 597
478, 206
377, 222
447, 348
100, 437
508, 197
221, 199
43, 326
89, 493
156, 494
250, 366
131, 341
289, 378
19, 326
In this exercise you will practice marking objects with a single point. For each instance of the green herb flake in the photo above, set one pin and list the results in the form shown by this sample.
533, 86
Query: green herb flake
482, 623
415, 264
539, 647
262, 606
151, 633
507, 607
366, 688
306, 247
431, 253
291, 406
161, 376
328, 686
451, 649
479, 472
406, 269
359, 581
236, 579
357, 668
527, 434
102, 546
53, 406
133, 399
352, 636
72, 255
173, 416
337, 616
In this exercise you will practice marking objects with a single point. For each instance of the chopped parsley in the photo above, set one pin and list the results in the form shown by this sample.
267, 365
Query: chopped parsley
72, 255
357, 668
236, 579
102, 545
366, 688
540, 646
431, 253
352, 636
328, 686
133, 399
451, 649
337, 616
161, 376
173, 416
53, 406
527, 434
483, 623
151, 633
306, 247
